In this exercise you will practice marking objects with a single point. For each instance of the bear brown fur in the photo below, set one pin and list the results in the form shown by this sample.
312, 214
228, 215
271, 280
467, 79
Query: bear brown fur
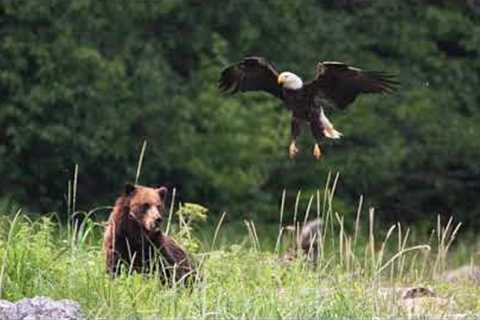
133, 237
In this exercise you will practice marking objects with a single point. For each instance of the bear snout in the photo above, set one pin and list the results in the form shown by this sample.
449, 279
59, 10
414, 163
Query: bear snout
153, 219
158, 223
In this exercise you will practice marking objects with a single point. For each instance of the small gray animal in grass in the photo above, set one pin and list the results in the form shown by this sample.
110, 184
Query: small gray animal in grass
307, 241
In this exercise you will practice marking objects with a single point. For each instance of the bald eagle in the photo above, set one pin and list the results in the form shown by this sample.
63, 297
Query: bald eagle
336, 85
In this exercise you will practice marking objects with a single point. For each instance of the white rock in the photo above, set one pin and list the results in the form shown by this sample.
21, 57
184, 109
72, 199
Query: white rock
40, 308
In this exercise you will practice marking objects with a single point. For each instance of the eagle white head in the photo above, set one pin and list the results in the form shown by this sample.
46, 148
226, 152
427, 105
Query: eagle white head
290, 81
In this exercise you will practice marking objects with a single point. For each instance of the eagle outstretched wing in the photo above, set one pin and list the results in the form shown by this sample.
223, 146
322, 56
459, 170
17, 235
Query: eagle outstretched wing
341, 83
251, 74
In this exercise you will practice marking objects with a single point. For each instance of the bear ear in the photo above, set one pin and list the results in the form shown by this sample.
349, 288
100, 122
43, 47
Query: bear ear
162, 191
129, 188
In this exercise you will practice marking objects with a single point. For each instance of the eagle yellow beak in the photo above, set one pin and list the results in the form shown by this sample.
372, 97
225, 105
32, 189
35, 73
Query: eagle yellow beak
280, 80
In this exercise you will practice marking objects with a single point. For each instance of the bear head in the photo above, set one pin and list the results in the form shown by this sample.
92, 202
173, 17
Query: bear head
146, 206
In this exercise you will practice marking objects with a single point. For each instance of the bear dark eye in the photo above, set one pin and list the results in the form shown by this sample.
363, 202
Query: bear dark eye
145, 207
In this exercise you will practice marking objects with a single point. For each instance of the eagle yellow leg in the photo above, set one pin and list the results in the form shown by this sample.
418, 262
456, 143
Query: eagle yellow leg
317, 153
292, 150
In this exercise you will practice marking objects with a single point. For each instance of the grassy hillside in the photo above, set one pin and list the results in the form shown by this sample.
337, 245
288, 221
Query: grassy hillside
243, 275
85, 82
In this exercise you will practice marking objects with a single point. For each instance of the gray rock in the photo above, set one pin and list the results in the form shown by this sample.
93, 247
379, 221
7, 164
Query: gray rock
464, 274
4, 307
429, 307
417, 292
397, 293
40, 308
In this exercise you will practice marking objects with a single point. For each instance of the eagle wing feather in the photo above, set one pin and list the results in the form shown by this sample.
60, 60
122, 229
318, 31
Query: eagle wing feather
341, 83
251, 74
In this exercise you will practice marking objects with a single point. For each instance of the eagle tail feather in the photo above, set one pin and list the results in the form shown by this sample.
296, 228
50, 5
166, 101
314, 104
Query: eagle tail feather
331, 133
328, 129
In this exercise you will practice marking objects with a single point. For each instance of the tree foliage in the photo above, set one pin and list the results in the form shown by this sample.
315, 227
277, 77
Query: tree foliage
86, 82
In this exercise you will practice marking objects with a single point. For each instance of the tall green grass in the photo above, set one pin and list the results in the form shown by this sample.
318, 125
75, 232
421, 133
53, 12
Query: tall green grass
242, 274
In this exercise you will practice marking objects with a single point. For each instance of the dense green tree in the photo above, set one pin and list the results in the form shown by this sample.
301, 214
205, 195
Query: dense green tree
86, 82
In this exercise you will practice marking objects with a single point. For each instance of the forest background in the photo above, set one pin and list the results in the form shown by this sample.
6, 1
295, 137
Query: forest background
87, 82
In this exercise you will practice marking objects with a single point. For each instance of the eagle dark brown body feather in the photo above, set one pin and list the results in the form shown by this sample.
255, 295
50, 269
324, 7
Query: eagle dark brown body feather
303, 109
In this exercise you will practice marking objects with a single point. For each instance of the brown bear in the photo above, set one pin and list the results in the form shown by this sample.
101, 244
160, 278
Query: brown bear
133, 237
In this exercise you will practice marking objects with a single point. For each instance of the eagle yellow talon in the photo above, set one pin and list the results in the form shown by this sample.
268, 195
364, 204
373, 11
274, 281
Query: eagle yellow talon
292, 150
317, 153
